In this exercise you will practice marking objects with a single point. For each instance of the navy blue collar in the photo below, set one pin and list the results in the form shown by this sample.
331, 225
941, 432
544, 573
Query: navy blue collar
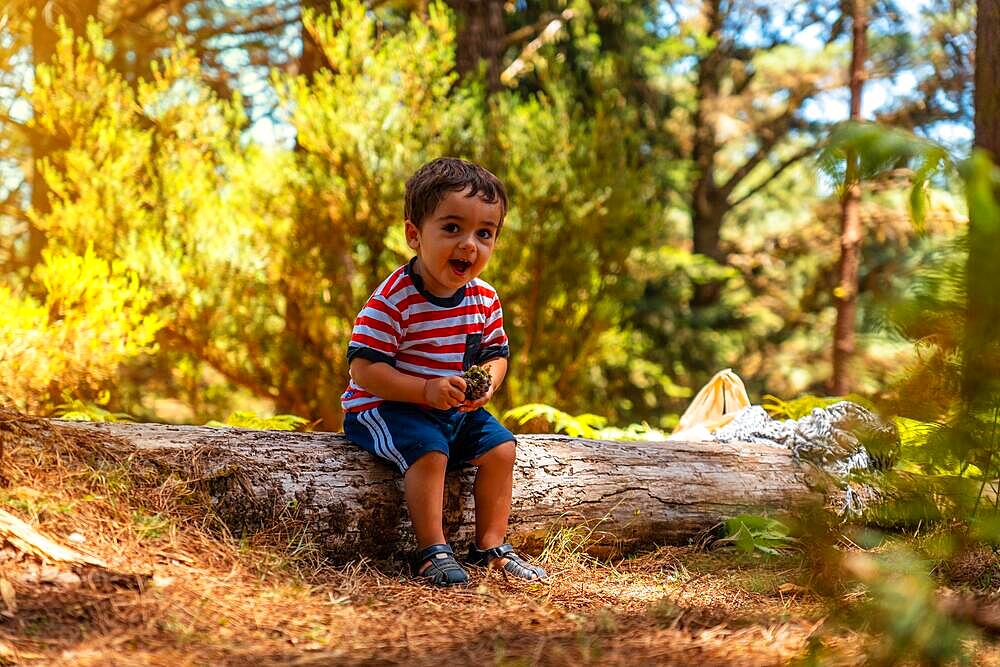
443, 301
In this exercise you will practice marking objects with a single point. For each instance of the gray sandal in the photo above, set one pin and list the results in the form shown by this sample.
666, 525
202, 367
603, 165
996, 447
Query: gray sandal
515, 565
443, 570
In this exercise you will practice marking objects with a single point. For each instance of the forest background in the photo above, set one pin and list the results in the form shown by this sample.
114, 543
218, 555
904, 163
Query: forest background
197, 197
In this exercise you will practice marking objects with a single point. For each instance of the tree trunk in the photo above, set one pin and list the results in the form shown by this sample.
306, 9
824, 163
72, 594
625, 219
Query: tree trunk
43, 47
987, 93
982, 350
708, 205
846, 293
706, 218
629, 494
312, 59
481, 34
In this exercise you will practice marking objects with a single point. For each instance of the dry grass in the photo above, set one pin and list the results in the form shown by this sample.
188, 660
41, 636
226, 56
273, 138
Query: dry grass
185, 592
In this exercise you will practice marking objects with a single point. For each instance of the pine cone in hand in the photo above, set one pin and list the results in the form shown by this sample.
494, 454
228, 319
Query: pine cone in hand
477, 383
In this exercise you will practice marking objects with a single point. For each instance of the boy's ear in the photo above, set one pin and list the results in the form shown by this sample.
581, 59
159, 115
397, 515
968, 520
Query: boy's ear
412, 235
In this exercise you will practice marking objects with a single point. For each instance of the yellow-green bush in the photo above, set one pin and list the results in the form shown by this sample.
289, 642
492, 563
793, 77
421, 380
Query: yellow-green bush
94, 315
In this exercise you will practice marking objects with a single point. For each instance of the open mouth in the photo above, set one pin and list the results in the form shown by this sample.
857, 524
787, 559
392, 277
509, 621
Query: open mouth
460, 266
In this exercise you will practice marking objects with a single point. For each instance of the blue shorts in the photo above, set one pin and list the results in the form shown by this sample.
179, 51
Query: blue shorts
401, 433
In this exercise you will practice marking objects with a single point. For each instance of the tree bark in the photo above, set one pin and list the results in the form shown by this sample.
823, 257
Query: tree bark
630, 494
708, 205
846, 294
481, 37
312, 59
981, 347
987, 93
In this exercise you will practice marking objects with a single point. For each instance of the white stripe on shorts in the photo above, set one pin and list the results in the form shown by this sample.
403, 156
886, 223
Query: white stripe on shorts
374, 413
375, 432
381, 438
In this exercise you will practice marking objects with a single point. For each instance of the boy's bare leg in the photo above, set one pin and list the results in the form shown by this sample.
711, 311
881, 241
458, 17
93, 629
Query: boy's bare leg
494, 485
423, 485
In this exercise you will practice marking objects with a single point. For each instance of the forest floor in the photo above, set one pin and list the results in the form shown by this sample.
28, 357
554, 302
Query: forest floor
179, 590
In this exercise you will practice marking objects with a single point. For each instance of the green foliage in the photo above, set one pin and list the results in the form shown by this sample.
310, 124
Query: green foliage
797, 407
902, 611
949, 424
243, 419
882, 149
150, 526
75, 409
92, 316
579, 426
564, 264
751, 533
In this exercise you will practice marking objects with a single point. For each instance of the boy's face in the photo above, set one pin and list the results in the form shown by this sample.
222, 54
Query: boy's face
455, 242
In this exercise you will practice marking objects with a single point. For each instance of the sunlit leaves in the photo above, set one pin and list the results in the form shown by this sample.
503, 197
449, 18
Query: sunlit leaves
585, 425
881, 149
93, 316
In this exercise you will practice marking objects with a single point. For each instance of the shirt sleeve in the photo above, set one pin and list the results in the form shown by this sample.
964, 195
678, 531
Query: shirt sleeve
495, 344
377, 332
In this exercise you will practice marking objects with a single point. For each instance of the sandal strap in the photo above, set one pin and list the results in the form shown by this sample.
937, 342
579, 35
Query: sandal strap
443, 569
501, 551
433, 549
515, 564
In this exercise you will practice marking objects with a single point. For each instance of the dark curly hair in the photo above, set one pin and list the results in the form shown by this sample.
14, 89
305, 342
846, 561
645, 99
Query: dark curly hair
429, 185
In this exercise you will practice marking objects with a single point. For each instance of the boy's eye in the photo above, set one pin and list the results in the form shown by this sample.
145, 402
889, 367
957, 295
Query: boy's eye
485, 233
450, 227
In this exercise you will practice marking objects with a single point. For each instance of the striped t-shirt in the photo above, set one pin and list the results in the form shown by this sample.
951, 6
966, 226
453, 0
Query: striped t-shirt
424, 335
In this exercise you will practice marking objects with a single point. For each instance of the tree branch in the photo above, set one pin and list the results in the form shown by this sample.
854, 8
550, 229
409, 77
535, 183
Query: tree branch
264, 29
527, 31
771, 132
237, 27
137, 15
29, 133
509, 76
742, 85
237, 376
774, 174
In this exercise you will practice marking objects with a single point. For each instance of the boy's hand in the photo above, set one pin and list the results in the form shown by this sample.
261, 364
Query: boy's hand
444, 392
469, 406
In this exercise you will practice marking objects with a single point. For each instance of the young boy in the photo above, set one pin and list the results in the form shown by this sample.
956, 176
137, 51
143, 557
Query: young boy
429, 321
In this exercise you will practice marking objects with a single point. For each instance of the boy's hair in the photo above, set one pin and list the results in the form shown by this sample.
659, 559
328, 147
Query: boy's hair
429, 185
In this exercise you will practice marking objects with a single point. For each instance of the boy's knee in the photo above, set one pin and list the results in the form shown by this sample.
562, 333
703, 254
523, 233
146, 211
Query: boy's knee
503, 454
431, 459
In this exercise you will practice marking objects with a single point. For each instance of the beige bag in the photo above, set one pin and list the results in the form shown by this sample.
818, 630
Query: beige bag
714, 407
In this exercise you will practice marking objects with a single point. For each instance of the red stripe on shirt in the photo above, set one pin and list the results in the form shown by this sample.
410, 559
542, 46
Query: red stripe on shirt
434, 348
396, 281
436, 315
428, 362
442, 332
382, 307
379, 325
374, 343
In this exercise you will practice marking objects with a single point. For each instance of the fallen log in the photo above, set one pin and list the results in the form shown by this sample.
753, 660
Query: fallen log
627, 494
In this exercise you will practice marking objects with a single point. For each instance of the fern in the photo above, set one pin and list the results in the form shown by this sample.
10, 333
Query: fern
797, 408
586, 425
750, 533
244, 419
580, 426
75, 409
